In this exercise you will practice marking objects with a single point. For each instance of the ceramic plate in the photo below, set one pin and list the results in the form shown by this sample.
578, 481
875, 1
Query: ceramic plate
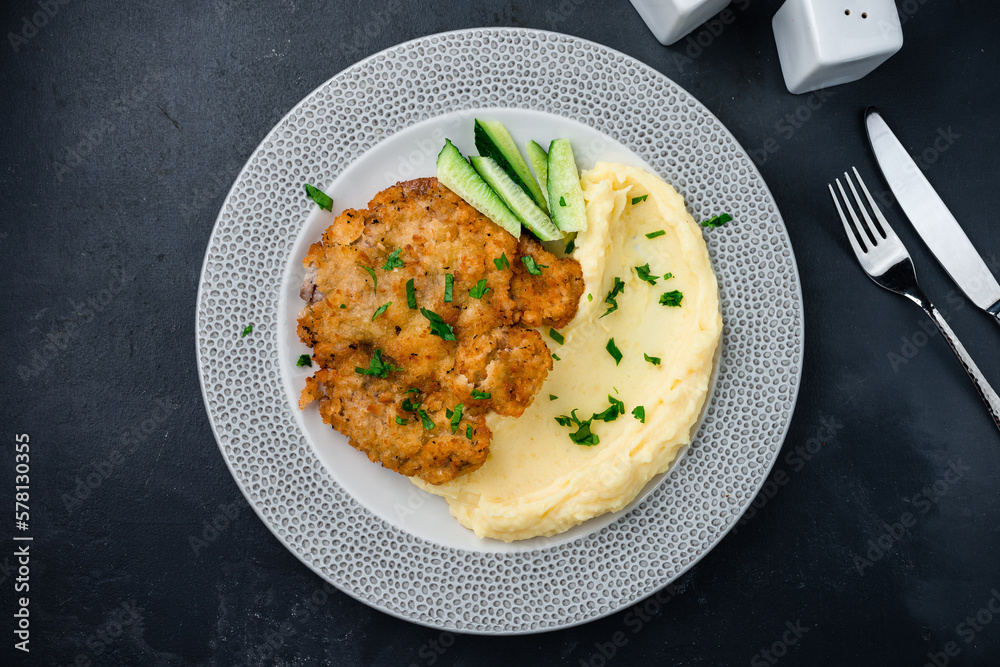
369, 531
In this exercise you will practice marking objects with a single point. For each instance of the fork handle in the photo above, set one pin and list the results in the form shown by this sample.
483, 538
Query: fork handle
986, 392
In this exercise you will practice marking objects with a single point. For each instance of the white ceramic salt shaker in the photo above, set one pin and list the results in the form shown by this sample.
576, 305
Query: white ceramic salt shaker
670, 20
823, 43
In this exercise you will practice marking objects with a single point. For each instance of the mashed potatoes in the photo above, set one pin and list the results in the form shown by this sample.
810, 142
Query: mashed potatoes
537, 481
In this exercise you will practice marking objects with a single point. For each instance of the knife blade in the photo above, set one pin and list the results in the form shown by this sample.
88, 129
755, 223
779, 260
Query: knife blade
931, 218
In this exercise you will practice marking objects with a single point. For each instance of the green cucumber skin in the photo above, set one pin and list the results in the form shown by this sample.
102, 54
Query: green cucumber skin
539, 162
455, 173
564, 182
516, 200
494, 141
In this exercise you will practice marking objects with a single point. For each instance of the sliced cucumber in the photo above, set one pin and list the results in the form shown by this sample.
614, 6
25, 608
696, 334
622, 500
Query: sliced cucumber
493, 140
539, 162
516, 200
568, 209
458, 176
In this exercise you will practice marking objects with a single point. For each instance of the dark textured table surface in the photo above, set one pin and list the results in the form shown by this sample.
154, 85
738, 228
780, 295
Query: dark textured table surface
123, 126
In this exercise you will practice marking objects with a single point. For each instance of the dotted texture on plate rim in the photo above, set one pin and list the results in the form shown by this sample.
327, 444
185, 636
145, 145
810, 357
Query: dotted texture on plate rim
707, 489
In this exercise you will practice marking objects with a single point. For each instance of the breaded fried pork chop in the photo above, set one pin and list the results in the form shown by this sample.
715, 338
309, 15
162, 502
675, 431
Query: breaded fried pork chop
417, 332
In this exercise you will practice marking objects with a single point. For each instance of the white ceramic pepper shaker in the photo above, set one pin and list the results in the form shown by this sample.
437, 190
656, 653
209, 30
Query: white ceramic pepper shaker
670, 20
823, 43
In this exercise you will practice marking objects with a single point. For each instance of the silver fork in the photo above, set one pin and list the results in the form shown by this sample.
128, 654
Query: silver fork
886, 261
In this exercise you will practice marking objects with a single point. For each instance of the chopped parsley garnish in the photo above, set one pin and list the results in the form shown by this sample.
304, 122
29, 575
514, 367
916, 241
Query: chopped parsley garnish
480, 395
501, 262
411, 296
456, 417
658, 232
371, 272
618, 288
425, 420
653, 360
412, 390
583, 435
343, 305
438, 326
671, 298
322, 199
449, 287
553, 397
401, 421
247, 330
469, 432
571, 246
562, 201
643, 272
590, 297
612, 413
409, 405
717, 221
377, 367
393, 262
381, 309
480, 290
556, 357
636, 200
668, 276
304, 360
533, 269
556, 336
614, 351
640, 413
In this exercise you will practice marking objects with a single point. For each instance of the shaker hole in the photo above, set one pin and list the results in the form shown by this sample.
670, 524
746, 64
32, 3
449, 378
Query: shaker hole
847, 12
865, 15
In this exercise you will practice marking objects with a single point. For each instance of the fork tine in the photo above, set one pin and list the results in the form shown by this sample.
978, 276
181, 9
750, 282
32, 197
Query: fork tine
883, 224
873, 233
859, 249
859, 229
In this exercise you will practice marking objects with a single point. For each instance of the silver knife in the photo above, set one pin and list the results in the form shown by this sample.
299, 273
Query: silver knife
931, 218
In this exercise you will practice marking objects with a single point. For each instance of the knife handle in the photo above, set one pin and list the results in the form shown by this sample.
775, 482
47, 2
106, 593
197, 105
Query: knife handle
986, 392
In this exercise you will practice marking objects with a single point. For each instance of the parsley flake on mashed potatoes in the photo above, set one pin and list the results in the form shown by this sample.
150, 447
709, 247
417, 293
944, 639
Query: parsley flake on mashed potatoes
536, 481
